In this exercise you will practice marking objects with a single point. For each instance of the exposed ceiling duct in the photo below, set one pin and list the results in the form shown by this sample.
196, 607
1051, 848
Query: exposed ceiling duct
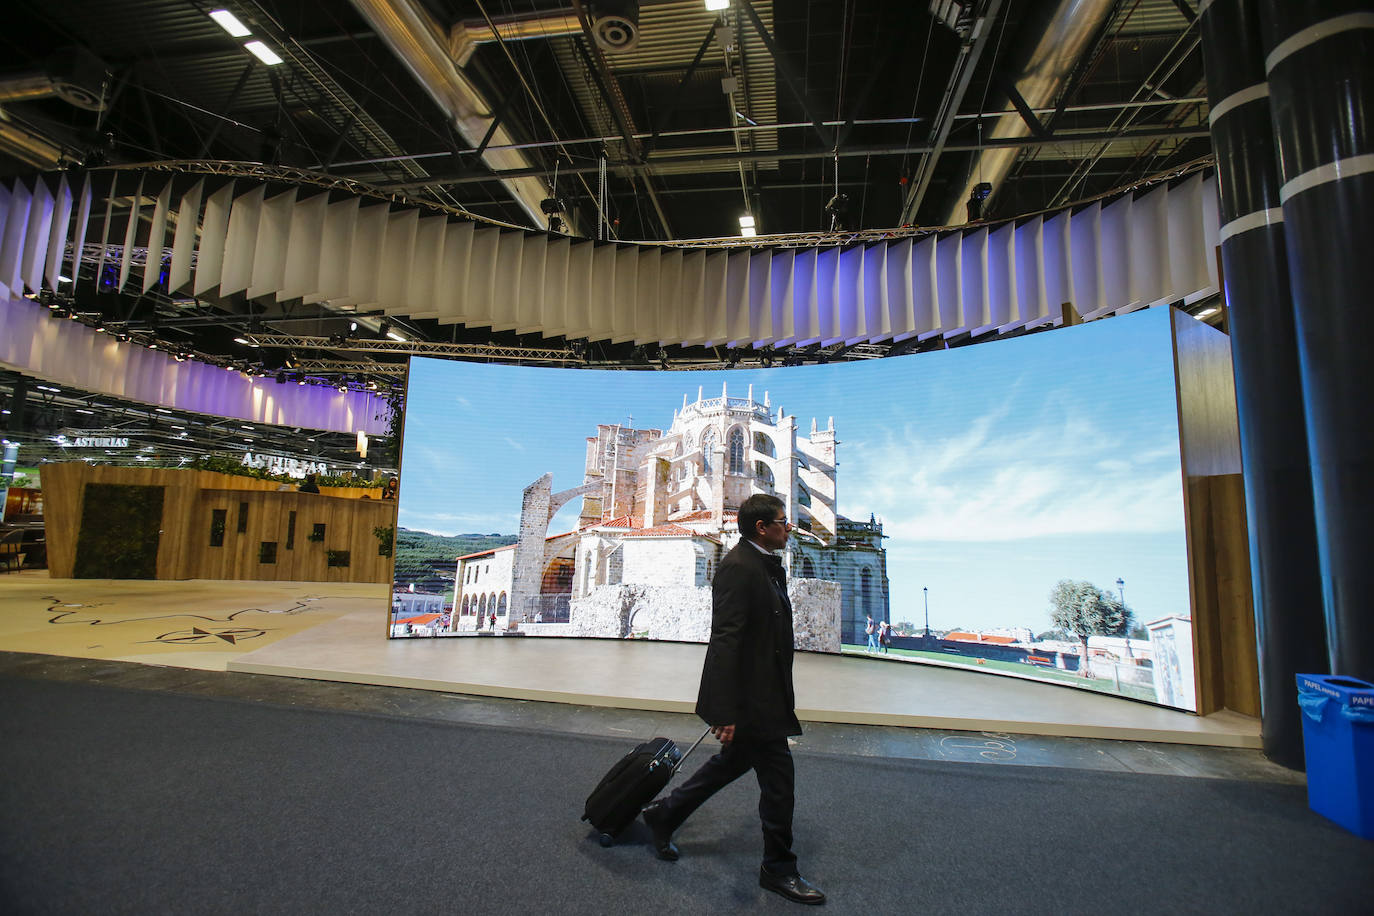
466, 36
422, 46
1067, 36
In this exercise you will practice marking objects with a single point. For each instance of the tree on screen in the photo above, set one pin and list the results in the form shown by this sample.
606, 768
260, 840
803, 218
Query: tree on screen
1084, 610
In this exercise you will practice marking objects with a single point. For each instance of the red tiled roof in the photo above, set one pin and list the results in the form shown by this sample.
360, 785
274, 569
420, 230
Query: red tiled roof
703, 515
661, 531
422, 619
975, 637
624, 521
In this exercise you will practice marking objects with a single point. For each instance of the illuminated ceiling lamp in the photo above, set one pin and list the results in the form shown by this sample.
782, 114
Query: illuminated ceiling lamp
230, 23
746, 226
716, 5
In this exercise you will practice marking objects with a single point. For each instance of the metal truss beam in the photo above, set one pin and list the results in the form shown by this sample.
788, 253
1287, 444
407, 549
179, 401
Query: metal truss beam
416, 348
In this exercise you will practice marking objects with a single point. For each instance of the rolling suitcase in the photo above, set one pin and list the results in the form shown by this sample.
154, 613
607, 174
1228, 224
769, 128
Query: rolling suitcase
634, 781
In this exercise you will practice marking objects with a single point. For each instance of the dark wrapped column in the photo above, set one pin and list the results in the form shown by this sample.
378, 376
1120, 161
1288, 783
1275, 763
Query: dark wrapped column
1284, 576
1320, 64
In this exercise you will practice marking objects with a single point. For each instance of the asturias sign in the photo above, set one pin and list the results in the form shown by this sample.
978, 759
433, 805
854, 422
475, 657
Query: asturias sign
101, 442
291, 467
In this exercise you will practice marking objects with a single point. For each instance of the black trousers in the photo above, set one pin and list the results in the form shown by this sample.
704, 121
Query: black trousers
771, 761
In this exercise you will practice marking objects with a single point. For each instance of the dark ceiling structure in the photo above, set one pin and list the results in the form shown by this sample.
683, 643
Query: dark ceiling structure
658, 120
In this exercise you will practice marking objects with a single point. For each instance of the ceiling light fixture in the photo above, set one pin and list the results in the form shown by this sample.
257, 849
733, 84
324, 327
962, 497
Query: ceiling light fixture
396, 337
263, 53
230, 23
717, 5
1207, 312
746, 226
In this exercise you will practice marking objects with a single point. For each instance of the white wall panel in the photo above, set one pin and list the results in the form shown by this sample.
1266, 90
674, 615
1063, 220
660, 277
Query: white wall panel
734, 326
646, 294
555, 303
804, 325
268, 273
1084, 245
601, 305
157, 237
781, 280
529, 310
126, 258
425, 269
973, 270
1188, 253
1001, 277
37, 237
452, 282
369, 240
336, 249
183, 241
626, 289
1031, 297
579, 296
1114, 256
301, 267
213, 229
57, 239
1149, 247
1057, 264
760, 297
670, 305
850, 315
826, 289
4, 221
949, 282
12, 244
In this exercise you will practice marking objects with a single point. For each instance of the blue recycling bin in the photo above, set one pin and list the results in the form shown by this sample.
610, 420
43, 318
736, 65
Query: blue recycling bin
1338, 743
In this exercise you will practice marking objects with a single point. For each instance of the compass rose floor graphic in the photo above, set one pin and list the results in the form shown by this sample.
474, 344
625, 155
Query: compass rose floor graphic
187, 624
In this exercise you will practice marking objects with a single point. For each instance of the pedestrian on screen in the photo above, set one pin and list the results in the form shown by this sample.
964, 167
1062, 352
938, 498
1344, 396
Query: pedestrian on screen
746, 697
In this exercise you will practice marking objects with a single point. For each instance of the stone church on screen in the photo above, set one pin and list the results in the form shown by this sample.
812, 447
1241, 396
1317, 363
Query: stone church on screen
658, 512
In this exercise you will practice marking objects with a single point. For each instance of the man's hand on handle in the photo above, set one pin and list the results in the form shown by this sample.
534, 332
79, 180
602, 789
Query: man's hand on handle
725, 733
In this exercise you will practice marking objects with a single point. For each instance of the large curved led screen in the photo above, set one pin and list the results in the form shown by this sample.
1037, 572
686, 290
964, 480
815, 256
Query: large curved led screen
1015, 507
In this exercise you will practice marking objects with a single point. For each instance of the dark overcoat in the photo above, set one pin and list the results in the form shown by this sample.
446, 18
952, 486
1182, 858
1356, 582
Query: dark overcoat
747, 678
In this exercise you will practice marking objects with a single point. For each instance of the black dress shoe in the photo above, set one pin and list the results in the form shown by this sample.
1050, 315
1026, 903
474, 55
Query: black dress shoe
793, 887
662, 834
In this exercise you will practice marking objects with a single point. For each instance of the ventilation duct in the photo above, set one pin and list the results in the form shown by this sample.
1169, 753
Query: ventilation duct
615, 25
1067, 36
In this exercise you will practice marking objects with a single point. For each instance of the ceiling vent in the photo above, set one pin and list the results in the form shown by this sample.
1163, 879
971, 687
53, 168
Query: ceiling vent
615, 25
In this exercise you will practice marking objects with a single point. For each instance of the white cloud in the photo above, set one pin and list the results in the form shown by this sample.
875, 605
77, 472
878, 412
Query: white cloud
995, 483
518, 446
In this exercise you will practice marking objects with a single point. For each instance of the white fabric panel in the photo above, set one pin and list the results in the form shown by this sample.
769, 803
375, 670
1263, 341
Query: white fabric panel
213, 229
1058, 265
1187, 245
448, 297
1211, 231
850, 312
336, 249
36, 239
670, 305
1001, 278
733, 328
157, 237
105, 231
555, 280
83, 220
706, 311
826, 287
131, 228
690, 308
1031, 298
805, 330
369, 239
1084, 236
579, 296
240, 242
621, 327
949, 282
760, 314
1114, 256
873, 292
57, 238
268, 273
424, 267
647, 295
505, 286
4, 221
922, 287
601, 304
477, 283
12, 245
529, 311
973, 270
1149, 247
305, 236
397, 258
184, 240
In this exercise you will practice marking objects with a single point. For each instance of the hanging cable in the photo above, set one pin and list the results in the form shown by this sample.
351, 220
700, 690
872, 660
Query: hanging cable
601, 197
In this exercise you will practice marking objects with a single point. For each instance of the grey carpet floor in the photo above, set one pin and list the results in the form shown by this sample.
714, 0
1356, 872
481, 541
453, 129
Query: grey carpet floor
116, 801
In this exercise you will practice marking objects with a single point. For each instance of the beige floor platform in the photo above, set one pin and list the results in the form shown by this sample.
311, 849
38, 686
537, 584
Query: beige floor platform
663, 676
337, 632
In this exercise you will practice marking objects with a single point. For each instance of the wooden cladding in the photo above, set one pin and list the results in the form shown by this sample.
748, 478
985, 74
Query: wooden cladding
219, 526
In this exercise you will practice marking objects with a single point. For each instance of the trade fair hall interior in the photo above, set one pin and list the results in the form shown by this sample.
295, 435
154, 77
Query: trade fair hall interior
411, 361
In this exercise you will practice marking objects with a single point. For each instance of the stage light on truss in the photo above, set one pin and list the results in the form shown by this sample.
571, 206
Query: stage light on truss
263, 53
396, 337
230, 23
746, 226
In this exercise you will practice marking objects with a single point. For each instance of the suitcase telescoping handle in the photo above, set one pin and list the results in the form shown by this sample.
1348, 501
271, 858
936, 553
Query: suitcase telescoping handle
683, 759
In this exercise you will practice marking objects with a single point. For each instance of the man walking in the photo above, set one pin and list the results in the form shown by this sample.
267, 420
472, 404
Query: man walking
746, 697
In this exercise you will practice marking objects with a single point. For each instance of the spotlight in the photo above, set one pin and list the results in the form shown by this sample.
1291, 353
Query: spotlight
766, 359
551, 206
838, 208
980, 193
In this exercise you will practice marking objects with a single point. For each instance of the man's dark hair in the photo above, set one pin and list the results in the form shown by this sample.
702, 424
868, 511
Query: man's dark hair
761, 507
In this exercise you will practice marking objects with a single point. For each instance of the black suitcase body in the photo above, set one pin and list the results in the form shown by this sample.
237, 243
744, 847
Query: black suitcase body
634, 781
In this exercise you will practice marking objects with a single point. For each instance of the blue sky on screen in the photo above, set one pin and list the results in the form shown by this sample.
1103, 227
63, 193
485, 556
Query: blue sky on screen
996, 469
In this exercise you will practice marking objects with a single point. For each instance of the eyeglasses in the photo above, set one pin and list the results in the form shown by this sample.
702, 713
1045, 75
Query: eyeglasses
776, 521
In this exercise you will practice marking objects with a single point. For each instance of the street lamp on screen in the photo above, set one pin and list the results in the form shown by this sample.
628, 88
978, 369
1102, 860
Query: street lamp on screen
925, 594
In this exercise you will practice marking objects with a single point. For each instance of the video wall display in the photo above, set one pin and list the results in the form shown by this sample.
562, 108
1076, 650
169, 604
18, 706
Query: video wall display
1014, 507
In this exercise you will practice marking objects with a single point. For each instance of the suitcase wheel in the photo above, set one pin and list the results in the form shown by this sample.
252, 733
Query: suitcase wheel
606, 840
